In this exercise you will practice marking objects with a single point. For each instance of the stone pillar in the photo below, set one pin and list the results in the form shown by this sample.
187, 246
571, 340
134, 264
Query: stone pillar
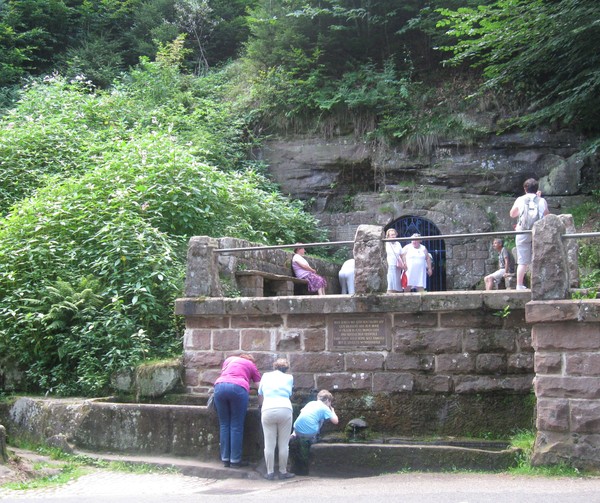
572, 247
202, 276
370, 270
549, 265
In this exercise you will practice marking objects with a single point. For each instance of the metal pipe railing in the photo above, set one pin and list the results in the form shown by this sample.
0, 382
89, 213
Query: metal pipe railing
406, 238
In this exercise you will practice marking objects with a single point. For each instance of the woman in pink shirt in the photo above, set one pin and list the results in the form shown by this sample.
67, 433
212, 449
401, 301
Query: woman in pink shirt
232, 390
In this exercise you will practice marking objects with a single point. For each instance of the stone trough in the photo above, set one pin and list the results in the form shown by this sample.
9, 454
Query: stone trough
191, 431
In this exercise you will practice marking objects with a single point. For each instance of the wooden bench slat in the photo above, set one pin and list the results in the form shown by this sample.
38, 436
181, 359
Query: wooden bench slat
271, 276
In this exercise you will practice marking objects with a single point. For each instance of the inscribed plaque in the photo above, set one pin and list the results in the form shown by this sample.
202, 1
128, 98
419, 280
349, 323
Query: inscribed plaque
358, 333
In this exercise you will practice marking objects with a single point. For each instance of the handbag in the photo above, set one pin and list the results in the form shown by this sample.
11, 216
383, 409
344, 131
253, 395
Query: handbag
404, 280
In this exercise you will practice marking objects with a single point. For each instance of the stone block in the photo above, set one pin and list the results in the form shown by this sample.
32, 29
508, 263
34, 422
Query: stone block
304, 381
391, 381
585, 416
416, 320
548, 363
226, 340
583, 364
549, 267
288, 340
192, 322
489, 384
191, 378
317, 362
305, 321
551, 311
364, 361
490, 363
400, 361
263, 321
203, 359
314, 340
520, 363
427, 341
524, 340
208, 376
552, 415
443, 301
457, 363
256, 339
433, 383
341, 381
567, 387
565, 336
197, 339
489, 340
471, 319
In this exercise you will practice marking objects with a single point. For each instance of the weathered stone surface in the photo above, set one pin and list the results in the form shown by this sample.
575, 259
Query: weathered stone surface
572, 250
401, 382
583, 364
340, 381
458, 363
155, 380
552, 414
549, 268
197, 338
318, 362
314, 340
226, 340
520, 362
202, 269
486, 384
548, 363
551, 311
401, 361
369, 254
567, 387
489, 340
59, 441
579, 450
427, 341
490, 363
3, 451
585, 416
565, 336
364, 361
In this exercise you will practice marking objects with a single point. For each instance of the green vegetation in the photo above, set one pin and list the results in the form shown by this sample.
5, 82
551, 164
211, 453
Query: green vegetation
525, 440
101, 191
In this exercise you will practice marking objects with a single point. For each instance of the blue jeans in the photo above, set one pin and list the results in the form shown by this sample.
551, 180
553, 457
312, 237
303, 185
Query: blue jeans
231, 401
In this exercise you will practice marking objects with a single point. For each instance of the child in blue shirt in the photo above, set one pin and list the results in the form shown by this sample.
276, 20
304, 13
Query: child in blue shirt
307, 427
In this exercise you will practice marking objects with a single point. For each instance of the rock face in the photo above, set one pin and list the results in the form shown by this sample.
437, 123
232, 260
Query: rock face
457, 188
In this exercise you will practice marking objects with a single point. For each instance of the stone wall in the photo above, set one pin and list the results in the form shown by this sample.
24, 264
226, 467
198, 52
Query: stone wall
566, 339
410, 364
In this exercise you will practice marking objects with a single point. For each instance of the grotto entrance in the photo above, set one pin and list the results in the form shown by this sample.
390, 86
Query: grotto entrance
406, 226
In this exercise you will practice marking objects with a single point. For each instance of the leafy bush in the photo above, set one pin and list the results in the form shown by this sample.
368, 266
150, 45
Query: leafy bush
92, 260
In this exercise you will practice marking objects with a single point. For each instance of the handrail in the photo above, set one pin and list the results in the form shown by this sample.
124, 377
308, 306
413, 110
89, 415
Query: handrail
406, 238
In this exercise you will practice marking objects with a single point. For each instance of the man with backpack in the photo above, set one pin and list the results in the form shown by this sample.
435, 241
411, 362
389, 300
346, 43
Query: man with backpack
529, 208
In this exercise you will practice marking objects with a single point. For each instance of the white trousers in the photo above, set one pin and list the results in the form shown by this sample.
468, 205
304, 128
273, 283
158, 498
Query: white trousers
277, 427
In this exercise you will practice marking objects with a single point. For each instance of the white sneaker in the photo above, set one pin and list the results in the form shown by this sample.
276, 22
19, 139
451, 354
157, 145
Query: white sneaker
521, 287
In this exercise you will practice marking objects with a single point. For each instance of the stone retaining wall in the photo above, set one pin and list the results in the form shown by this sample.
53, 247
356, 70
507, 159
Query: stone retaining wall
566, 339
410, 364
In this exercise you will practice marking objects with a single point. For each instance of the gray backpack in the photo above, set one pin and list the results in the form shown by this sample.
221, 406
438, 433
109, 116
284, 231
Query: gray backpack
530, 213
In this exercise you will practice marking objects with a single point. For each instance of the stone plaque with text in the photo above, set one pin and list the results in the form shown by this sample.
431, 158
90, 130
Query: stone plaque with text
358, 333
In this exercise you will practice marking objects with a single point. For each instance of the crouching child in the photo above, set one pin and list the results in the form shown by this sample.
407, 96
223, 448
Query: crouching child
307, 428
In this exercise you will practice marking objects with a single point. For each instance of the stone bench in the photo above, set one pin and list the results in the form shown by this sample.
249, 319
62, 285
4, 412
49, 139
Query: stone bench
254, 283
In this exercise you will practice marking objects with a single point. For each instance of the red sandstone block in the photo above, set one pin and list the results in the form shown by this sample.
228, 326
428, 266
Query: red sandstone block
520, 362
256, 321
470, 319
458, 363
585, 416
305, 321
314, 339
489, 340
190, 377
416, 320
487, 363
226, 340
198, 339
203, 359
566, 336
364, 361
551, 311
317, 362
289, 340
389, 381
552, 415
303, 381
427, 341
207, 322
567, 387
400, 361
208, 376
255, 339
548, 363
432, 383
582, 364
340, 381
487, 384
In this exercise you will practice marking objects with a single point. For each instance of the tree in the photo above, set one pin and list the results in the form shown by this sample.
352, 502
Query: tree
545, 50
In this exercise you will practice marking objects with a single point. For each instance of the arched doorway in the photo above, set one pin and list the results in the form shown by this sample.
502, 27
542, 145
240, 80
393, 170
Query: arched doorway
408, 225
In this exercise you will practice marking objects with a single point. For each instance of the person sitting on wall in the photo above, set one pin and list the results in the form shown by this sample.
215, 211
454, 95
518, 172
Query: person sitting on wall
303, 270
346, 276
307, 428
506, 265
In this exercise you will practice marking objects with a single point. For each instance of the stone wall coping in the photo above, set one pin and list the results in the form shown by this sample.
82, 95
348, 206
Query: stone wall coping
550, 311
344, 304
